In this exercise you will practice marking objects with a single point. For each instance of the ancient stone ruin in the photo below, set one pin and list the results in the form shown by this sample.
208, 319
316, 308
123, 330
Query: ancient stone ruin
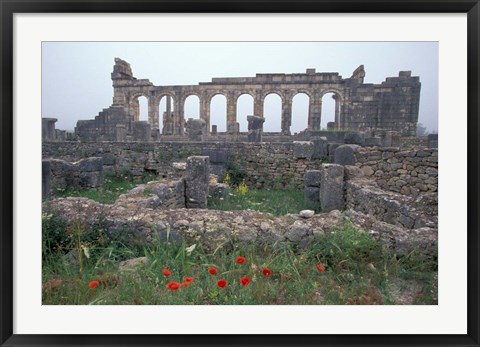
392, 105
367, 168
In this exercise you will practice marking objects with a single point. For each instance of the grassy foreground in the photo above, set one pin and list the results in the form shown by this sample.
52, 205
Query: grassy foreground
345, 267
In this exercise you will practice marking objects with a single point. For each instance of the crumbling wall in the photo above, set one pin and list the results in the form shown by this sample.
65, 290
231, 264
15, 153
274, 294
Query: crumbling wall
408, 172
61, 174
263, 165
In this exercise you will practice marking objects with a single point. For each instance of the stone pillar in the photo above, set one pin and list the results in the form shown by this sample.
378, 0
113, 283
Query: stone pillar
155, 134
135, 110
311, 182
120, 133
286, 116
214, 129
141, 131
232, 127
196, 181
205, 113
332, 196
179, 119
153, 115
48, 129
46, 179
258, 105
255, 128
196, 129
337, 111
315, 112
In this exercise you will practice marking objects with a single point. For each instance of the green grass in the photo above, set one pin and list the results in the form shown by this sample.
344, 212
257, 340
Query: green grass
276, 202
358, 270
113, 186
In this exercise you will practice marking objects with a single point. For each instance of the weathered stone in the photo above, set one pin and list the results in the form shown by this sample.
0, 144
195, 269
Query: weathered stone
46, 179
311, 178
196, 129
306, 214
331, 151
297, 231
196, 182
120, 133
320, 145
332, 187
255, 128
353, 138
433, 141
91, 164
303, 149
345, 154
141, 131
373, 142
312, 194
91, 179
48, 129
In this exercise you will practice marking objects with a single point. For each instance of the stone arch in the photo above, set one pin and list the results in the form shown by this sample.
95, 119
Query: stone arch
165, 112
273, 112
159, 96
336, 91
134, 106
245, 104
213, 94
308, 92
273, 91
239, 93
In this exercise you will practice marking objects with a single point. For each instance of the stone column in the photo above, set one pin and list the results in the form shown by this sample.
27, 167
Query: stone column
258, 105
179, 119
315, 112
135, 110
196, 181
195, 129
168, 117
48, 128
332, 196
337, 110
153, 117
231, 114
255, 128
205, 112
286, 116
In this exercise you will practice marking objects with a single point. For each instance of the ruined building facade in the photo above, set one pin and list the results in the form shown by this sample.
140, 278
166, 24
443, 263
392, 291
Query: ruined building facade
392, 105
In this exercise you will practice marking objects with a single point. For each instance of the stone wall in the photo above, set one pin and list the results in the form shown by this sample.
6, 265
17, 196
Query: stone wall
61, 174
408, 172
264, 165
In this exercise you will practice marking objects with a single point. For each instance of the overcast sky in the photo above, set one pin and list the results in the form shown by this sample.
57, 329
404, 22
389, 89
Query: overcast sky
76, 80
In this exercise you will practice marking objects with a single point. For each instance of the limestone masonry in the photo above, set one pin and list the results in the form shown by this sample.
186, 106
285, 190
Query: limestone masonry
392, 105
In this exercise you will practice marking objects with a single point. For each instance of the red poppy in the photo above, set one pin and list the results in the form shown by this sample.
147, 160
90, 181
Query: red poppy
174, 285
222, 283
187, 281
240, 260
166, 272
93, 284
212, 270
245, 281
266, 272
320, 268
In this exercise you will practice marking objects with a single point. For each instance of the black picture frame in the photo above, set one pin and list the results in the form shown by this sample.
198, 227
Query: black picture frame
10, 7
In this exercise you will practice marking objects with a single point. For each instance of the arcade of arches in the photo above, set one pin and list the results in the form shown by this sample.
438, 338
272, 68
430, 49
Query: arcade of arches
391, 105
